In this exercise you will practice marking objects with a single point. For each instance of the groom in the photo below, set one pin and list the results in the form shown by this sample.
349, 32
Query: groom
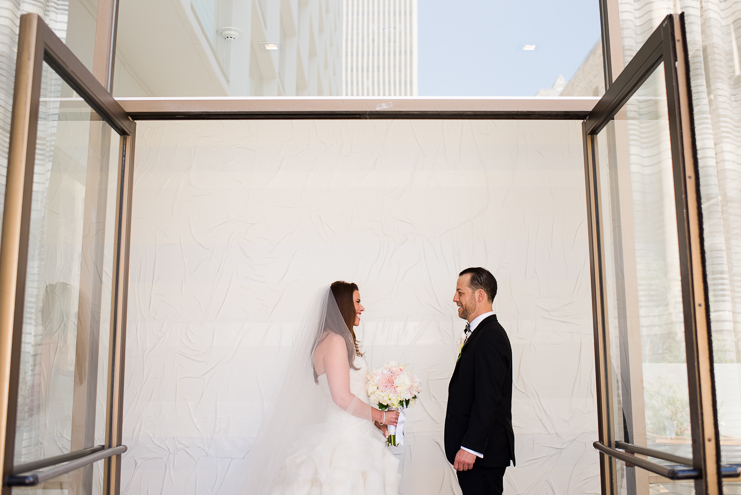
479, 440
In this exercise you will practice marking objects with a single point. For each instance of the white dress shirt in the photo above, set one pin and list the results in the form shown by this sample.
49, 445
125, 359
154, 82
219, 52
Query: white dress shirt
472, 325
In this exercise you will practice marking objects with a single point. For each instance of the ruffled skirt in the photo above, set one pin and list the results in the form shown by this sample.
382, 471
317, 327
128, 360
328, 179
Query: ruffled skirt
342, 456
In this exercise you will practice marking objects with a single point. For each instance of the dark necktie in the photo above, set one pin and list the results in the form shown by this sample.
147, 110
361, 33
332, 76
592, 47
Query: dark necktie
468, 332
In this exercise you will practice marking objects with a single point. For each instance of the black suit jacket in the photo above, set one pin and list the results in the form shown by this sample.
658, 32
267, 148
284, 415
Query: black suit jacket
479, 413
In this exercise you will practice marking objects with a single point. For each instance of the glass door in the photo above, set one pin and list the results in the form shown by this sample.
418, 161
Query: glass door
658, 421
63, 270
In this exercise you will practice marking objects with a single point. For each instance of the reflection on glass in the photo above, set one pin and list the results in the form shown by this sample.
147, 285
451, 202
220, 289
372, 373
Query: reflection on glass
364, 48
715, 69
73, 21
676, 488
212, 15
644, 286
64, 355
79, 31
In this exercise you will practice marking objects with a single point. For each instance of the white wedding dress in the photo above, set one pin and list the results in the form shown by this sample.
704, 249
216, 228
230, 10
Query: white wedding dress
308, 444
343, 454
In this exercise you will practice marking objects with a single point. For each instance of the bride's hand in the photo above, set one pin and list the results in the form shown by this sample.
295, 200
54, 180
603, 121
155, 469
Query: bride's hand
392, 417
384, 429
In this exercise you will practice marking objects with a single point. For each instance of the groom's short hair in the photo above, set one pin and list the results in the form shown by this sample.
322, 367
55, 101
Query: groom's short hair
481, 278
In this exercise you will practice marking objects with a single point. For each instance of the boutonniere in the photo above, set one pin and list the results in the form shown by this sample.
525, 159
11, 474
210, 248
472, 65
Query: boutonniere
461, 343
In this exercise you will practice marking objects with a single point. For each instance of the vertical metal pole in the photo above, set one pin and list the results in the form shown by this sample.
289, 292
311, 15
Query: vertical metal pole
88, 326
626, 298
599, 314
16, 224
698, 341
114, 413
630, 355
91, 290
104, 61
106, 35
612, 42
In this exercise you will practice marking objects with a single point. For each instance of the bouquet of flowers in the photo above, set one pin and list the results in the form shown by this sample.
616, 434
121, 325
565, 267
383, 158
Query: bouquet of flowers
392, 387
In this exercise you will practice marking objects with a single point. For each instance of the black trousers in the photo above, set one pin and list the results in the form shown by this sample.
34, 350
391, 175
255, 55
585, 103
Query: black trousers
482, 480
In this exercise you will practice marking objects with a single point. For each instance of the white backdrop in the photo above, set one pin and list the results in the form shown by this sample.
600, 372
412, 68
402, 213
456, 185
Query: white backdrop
237, 224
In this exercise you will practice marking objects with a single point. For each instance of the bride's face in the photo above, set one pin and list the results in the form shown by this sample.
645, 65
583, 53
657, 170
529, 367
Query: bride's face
358, 307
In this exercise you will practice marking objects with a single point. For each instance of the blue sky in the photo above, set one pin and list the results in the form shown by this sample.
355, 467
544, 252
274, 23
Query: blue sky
474, 47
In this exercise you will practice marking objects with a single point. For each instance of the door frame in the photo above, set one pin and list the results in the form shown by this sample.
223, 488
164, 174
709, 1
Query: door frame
37, 44
666, 45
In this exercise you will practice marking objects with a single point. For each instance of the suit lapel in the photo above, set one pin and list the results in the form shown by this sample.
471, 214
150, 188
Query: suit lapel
476, 333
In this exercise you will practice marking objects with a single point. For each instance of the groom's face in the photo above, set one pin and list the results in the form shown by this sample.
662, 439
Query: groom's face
465, 297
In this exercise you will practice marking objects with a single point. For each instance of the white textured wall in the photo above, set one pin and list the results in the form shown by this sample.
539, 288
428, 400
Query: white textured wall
236, 224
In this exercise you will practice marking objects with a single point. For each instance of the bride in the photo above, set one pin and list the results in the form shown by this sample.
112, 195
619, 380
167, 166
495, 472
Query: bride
320, 436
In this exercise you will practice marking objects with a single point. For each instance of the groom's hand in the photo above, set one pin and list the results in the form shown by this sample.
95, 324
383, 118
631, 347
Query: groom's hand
463, 460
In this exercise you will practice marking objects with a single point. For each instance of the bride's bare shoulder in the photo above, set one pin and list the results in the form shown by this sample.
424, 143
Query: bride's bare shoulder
330, 347
332, 340
331, 343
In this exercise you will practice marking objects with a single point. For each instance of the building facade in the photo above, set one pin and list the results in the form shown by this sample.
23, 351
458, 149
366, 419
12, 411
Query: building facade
380, 49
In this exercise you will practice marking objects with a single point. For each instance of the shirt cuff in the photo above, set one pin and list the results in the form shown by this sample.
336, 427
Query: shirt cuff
477, 454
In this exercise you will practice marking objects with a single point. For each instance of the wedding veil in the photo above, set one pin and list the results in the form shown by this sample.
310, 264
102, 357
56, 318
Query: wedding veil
298, 402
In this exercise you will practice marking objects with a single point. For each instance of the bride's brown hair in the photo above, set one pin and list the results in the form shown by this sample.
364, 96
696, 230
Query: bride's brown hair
343, 292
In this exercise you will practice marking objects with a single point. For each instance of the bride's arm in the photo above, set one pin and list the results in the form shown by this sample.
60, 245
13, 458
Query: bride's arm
338, 378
